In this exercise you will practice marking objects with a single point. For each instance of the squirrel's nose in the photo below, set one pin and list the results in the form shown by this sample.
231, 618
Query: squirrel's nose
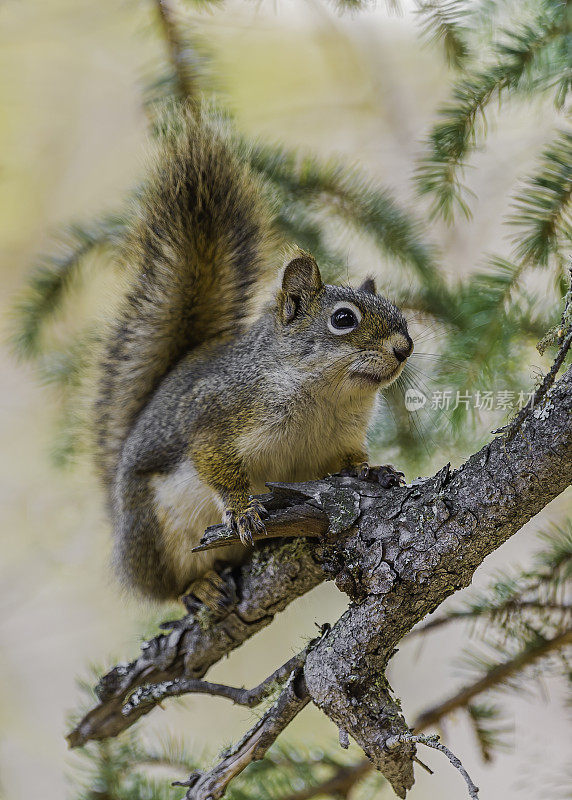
401, 353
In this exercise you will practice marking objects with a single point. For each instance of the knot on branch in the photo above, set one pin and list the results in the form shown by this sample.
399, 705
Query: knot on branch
358, 699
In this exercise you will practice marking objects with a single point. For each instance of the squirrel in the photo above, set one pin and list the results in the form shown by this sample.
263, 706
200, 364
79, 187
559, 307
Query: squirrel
205, 393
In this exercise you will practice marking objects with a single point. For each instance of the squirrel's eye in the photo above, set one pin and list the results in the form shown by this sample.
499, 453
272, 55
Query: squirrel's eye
343, 320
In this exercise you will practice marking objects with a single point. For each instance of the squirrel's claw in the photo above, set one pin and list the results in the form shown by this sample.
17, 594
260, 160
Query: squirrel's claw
386, 475
246, 523
215, 590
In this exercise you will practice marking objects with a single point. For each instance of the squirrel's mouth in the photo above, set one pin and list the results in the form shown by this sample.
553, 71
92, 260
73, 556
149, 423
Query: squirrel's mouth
374, 378
368, 377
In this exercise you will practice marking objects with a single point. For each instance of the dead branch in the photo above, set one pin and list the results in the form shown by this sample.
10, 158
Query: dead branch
156, 693
397, 553
291, 522
433, 741
212, 785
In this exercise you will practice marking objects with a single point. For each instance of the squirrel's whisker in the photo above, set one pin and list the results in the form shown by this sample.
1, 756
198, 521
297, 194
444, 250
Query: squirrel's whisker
206, 391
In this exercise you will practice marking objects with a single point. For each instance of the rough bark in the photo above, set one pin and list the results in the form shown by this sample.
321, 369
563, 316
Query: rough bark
397, 553
270, 580
415, 548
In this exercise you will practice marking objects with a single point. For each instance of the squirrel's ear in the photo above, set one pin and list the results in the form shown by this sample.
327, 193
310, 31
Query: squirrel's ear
301, 279
302, 276
368, 286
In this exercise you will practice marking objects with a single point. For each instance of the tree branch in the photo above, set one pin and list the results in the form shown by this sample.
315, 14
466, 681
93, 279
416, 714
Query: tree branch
347, 776
178, 54
212, 785
397, 553
494, 677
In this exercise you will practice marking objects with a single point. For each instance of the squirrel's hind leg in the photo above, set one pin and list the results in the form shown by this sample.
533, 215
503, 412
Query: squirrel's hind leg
217, 591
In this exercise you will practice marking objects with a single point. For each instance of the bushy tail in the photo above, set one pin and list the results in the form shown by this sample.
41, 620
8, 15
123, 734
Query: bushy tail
201, 243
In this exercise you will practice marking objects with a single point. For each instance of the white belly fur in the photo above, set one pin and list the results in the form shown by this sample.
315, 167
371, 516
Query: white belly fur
185, 506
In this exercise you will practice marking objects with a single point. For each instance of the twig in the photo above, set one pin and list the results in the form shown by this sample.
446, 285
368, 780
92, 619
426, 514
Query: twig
492, 678
566, 334
354, 773
293, 522
155, 693
433, 741
212, 785
177, 47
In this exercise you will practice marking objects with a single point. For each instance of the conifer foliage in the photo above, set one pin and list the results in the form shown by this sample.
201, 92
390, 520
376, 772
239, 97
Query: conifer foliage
499, 54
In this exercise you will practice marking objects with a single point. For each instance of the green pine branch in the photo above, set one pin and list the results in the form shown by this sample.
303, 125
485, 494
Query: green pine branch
489, 729
500, 319
502, 673
56, 275
331, 189
65, 369
543, 213
489, 302
442, 22
529, 59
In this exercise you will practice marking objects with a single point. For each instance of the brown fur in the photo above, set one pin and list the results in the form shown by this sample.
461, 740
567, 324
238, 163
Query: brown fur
198, 405
203, 240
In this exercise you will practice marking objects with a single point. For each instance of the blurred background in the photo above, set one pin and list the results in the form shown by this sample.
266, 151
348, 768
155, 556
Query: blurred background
363, 87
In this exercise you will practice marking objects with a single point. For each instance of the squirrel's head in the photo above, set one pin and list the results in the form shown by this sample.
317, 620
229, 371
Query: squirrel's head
354, 334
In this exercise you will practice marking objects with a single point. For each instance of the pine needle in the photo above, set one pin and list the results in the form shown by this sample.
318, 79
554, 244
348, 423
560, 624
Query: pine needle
543, 213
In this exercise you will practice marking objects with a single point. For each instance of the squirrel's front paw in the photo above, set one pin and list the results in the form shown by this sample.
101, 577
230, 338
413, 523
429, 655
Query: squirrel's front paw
246, 522
386, 475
